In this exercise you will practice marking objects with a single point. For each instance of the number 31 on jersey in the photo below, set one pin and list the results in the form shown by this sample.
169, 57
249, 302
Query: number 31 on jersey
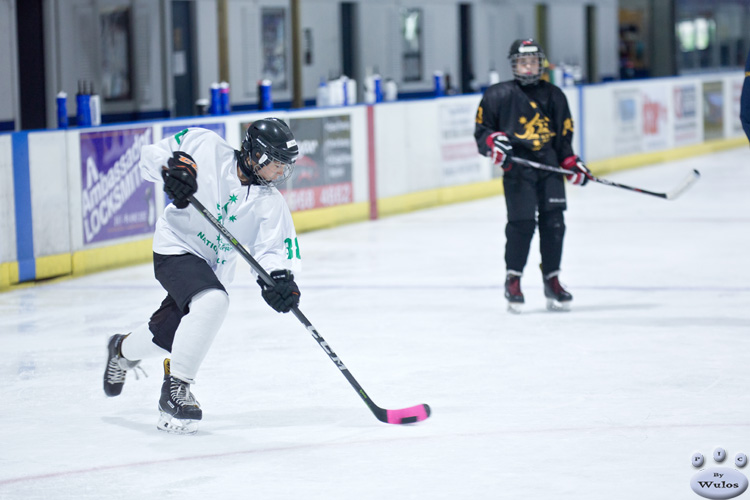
292, 248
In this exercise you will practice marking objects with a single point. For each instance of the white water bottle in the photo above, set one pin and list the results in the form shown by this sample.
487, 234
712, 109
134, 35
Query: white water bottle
391, 90
351, 91
95, 105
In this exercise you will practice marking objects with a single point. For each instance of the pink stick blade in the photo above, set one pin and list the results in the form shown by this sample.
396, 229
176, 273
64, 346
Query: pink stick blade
408, 415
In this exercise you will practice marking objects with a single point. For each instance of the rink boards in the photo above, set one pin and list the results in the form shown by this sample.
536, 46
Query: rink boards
72, 201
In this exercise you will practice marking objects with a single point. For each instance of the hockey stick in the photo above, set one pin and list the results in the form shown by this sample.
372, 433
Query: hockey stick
671, 195
403, 416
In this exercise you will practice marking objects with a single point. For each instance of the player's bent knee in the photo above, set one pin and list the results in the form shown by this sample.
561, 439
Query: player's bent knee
212, 301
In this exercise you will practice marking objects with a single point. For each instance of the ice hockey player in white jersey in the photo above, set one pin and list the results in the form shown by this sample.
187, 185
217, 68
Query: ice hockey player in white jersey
192, 261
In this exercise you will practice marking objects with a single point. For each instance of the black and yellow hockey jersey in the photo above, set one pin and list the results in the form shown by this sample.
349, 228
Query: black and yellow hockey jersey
536, 119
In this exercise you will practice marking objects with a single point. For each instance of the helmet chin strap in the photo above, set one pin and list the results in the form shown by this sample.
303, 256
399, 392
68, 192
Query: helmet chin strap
247, 171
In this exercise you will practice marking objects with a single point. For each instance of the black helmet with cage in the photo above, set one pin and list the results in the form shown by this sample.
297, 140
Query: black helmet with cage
268, 140
527, 49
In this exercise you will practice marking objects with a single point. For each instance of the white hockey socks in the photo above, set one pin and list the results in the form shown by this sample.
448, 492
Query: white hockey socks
196, 333
138, 345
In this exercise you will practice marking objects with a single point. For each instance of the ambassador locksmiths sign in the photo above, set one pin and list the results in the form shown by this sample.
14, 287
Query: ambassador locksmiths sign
115, 200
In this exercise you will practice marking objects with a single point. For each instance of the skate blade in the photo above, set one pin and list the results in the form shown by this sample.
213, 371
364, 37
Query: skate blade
556, 305
168, 423
515, 307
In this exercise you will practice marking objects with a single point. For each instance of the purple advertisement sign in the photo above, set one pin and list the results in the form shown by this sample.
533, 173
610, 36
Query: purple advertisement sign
115, 200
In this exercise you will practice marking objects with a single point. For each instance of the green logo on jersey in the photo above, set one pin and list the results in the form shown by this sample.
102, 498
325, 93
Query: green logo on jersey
179, 135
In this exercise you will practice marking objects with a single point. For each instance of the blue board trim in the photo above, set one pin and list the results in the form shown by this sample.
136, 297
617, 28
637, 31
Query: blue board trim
22, 190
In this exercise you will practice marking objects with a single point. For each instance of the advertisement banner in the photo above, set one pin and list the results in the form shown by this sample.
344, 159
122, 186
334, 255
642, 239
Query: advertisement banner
627, 126
323, 173
713, 110
460, 161
685, 117
655, 128
115, 200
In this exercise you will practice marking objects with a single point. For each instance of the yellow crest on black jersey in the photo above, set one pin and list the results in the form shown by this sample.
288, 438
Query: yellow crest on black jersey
536, 131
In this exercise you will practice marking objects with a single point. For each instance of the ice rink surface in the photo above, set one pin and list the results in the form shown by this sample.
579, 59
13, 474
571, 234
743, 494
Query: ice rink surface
608, 401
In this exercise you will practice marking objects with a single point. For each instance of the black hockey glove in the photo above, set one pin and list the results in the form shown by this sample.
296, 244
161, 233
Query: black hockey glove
284, 294
500, 150
180, 178
579, 173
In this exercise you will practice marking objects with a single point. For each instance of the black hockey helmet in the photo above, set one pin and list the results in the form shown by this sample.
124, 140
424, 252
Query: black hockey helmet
266, 141
523, 48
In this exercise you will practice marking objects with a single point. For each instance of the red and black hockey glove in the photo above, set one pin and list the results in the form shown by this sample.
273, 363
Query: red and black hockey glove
579, 173
180, 178
500, 150
284, 294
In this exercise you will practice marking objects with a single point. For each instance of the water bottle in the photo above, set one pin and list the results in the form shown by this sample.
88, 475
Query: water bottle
95, 105
62, 110
215, 108
351, 91
201, 106
226, 108
321, 99
83, 106
391, 90
264, 95
335, 92
567, 76
437, 77
378, 84
557, 76
345, 90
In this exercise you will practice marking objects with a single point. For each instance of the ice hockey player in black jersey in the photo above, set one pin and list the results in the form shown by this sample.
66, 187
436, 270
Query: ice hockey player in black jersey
529, 117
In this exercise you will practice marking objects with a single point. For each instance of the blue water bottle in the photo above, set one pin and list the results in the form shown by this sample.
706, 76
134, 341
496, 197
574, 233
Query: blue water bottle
377, 83
264, 95
224, 95
345, 89
438, 79
62, 110
83, 106
215, 108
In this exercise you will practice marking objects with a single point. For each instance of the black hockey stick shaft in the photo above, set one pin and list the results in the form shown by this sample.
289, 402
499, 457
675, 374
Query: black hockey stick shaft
402, 416
667, 196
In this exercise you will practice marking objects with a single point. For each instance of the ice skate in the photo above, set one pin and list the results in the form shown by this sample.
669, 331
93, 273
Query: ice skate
117, 367
178, 408
558, 298
513, 292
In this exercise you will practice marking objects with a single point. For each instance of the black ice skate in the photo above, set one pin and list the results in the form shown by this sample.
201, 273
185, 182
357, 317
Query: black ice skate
558, 298
178, 408
117, 367
513, 292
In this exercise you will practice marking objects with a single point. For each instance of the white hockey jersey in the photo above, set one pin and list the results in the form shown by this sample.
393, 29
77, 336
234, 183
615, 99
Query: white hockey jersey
257, 216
